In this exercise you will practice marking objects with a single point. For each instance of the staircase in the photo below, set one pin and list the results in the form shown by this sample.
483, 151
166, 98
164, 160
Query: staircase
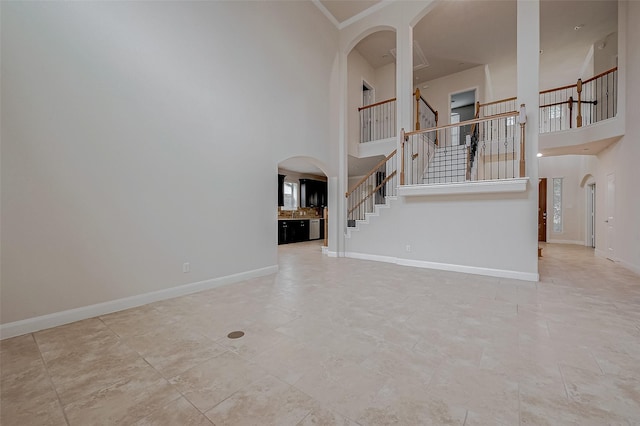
449, 164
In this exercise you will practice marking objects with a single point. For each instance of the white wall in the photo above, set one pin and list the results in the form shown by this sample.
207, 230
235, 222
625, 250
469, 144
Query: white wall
572, 169
621, 158
604, 57
476, 232
124, 126
385, 82
438, 90
501, 79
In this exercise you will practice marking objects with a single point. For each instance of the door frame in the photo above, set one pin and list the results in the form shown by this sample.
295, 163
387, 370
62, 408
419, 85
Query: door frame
475, 90
369, 87
610, 208
590, 238
542, 187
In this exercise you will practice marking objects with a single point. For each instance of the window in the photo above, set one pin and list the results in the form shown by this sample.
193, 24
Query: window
555, 111
557, 205
290, 196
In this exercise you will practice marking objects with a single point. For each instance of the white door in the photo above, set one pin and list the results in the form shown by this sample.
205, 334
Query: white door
610, 220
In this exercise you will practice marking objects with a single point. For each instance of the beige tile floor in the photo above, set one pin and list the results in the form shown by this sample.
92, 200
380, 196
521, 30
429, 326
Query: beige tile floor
347, 342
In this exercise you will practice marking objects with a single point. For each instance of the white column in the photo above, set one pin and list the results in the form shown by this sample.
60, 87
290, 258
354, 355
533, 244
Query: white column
337, 216
528, 94
404, 81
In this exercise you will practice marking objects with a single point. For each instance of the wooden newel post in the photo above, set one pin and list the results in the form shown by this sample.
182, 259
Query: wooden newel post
523, 121
402, 156
579, 89
417, 109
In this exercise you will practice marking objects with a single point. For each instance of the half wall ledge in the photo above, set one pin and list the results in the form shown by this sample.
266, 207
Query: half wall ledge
458, 188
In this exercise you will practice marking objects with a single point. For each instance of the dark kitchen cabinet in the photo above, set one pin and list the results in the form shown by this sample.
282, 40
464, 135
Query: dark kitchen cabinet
293, 231
313, 193
281, 190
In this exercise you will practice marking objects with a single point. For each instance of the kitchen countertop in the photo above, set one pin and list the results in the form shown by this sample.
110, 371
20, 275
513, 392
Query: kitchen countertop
299, 218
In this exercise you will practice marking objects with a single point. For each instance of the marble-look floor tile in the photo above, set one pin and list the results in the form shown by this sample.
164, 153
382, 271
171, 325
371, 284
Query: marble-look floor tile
81, 374
268, 401
122, 403
18, 354
28, 398
174, 349
324, 417
179, 412
405, 401
211, 382
337, 341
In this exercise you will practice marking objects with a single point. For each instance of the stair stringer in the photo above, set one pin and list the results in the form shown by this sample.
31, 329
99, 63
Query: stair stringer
369, 217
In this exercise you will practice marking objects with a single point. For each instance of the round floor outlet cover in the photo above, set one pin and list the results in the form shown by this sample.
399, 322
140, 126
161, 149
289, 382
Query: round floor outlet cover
235, 334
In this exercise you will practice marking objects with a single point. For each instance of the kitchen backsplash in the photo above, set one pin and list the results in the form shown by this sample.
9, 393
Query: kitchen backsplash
302, 212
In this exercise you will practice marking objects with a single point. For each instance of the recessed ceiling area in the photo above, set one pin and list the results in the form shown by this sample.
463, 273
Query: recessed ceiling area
459, 35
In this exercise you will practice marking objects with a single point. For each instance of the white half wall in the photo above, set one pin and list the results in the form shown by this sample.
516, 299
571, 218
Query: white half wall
138, 136
483, 234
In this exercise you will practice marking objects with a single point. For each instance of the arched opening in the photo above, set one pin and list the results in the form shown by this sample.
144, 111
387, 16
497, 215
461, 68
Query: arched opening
371, 102
303, 202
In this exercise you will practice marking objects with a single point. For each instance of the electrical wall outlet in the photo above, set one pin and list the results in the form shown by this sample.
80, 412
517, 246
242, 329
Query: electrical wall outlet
186, 267
408, 248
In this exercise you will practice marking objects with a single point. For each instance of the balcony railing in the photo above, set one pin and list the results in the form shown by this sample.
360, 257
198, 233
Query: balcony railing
425, 117
580, 104
378, 121
372, 189
494, 150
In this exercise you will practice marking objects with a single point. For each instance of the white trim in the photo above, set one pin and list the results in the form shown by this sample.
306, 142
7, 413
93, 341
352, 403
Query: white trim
364, 13
456, 188
326, 13
31, 325
500, 273
578, 242
630, 266
354, 18
626, 265
332, 254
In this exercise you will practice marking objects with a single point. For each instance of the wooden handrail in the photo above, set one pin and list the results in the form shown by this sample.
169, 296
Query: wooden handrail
602, 74
425, 101
496, 102
372, 171
376, 104
463, 123
559, 103
384, 181
569, 86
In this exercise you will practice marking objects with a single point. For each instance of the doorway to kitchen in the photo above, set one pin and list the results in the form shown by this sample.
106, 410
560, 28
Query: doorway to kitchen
302, 202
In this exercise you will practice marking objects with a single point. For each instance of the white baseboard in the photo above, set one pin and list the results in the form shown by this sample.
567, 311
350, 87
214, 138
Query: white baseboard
31, 325
332, 253
600, 253
500, 273
630, 266
580, 243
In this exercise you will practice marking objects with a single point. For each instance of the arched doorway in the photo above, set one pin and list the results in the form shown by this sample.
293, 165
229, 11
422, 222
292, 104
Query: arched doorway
303, 201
